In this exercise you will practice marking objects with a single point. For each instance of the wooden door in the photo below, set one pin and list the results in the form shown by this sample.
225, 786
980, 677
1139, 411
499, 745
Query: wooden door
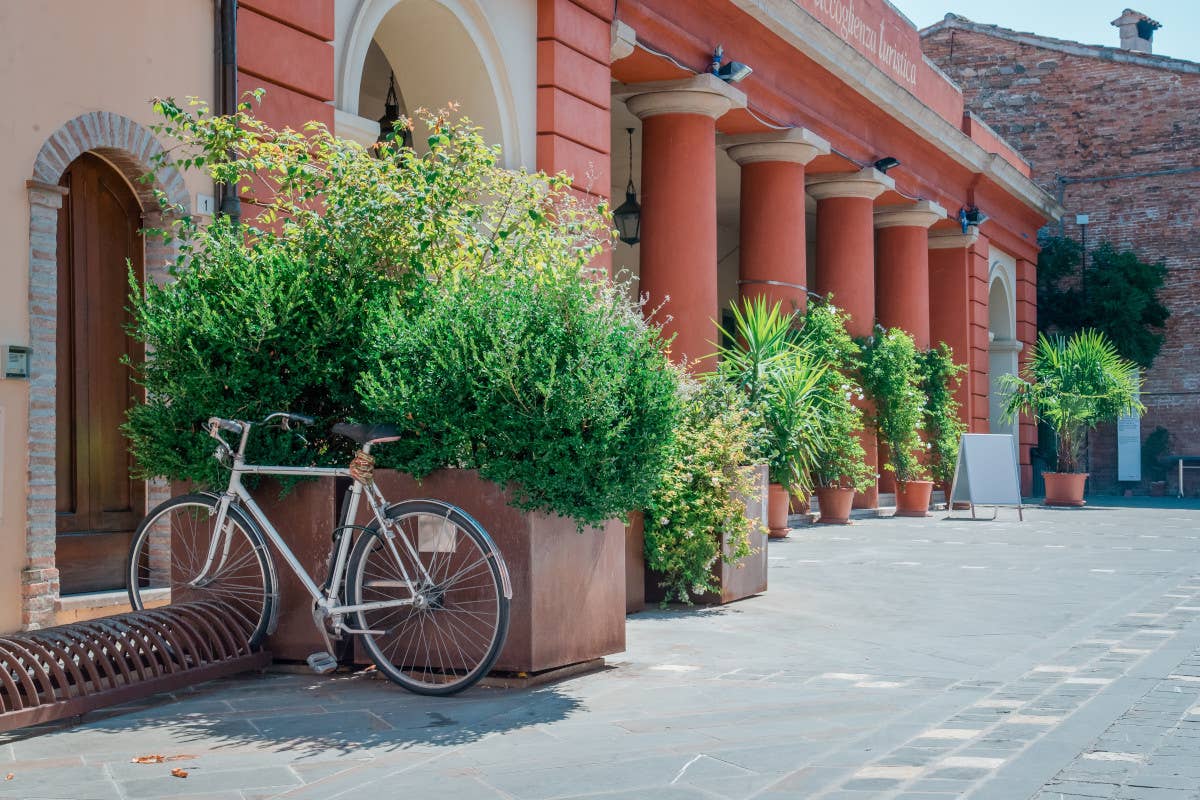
99, 505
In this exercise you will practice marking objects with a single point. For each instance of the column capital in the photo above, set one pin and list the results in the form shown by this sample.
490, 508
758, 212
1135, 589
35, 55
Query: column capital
921, 214
793, 146
953, 240
867, 183
702, 95
623, 41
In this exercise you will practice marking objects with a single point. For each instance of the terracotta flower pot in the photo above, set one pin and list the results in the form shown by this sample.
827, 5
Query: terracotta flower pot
777, 511
960, 505
912, 498
835, 505
1065, 488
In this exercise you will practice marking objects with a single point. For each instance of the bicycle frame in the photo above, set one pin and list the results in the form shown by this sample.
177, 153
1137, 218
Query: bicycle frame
326, 600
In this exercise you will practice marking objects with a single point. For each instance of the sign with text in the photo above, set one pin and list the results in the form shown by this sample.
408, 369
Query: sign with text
875, 29
1129, 448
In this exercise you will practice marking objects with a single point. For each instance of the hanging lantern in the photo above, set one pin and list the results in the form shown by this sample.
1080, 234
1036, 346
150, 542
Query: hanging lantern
391, 116
628, 215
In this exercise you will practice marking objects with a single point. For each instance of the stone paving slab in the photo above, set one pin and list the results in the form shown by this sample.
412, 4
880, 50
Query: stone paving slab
899, 659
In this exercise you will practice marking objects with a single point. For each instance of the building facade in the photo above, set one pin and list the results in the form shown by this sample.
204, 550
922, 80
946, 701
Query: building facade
1114, 134
841, 164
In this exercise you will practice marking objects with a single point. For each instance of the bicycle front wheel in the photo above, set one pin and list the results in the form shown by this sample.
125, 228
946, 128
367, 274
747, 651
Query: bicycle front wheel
446, 616
178, 557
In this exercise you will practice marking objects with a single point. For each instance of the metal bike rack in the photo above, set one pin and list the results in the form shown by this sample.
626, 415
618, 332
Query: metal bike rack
69, 670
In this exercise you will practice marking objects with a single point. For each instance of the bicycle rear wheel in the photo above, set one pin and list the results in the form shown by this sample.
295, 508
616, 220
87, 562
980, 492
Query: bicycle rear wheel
443, 563
170, 565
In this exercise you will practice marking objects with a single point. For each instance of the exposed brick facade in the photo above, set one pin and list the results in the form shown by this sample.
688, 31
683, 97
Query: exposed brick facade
1115, 135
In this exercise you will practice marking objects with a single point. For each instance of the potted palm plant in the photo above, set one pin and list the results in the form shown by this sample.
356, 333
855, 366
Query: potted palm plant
1072, 384
840, 467
763, 357
892, 379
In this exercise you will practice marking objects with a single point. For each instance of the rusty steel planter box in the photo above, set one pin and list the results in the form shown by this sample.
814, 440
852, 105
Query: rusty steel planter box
568, 602
635, 563
743, 578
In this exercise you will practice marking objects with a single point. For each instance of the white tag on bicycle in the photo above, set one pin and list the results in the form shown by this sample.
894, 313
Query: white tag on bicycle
435, 534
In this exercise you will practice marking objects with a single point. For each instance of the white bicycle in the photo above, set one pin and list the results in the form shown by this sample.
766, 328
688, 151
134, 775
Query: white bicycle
423, 585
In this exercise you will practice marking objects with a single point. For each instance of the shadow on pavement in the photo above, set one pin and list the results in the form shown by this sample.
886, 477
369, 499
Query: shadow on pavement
316, 715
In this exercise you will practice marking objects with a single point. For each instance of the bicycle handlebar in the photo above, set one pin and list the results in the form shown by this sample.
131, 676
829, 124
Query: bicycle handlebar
229, 425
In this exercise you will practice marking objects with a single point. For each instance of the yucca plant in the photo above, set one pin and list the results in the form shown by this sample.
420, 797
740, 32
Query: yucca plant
781, 380
1072, 385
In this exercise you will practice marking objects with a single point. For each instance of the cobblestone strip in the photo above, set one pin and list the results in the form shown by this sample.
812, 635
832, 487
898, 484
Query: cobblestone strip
959, 755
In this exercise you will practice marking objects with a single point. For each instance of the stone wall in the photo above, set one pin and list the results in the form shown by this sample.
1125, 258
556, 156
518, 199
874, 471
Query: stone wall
1115, 136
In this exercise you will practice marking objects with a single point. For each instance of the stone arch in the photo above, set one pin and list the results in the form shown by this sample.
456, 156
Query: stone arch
459, 26
1003, 346
129, 147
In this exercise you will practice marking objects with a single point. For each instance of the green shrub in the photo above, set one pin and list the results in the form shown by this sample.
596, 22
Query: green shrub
447, 294
940, 377
699, 496
255, 325
557, 388
892, 380
840, 460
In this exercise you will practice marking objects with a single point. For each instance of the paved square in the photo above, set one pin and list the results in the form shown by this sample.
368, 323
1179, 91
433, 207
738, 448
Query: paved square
929, 658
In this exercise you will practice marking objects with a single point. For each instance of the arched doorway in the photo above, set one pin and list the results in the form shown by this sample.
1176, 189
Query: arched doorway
1003, 346
411, 38
98, 504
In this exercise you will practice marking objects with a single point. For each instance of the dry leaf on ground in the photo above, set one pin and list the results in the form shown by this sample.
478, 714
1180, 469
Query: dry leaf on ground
9, 776
179, 773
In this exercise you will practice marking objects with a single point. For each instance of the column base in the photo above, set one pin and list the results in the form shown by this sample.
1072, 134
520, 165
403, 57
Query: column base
39, 596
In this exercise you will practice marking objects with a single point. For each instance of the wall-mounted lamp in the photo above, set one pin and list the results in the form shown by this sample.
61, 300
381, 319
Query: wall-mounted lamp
730, 72
968, 217
886, 163
628, 215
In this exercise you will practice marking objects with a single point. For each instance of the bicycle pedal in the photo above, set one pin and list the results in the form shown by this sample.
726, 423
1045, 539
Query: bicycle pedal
322, 663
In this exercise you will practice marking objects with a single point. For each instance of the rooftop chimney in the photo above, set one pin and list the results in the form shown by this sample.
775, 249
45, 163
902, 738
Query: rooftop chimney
1137, 31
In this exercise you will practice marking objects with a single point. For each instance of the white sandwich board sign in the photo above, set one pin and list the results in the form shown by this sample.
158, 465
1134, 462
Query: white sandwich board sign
987, 473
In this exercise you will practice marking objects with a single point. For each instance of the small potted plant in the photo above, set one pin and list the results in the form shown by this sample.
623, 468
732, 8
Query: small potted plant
940, 377
892, 379
1072, 384
1154, 450
840, 467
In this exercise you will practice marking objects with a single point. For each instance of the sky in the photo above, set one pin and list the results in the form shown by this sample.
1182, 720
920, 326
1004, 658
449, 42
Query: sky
1084, 21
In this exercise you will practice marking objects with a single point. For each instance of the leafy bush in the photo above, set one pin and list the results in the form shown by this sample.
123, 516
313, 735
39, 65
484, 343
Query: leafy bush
699, 497
472, 282
557, 388
892, 380
1119, 295
1072, 385
840, 460
255, 325
940, 377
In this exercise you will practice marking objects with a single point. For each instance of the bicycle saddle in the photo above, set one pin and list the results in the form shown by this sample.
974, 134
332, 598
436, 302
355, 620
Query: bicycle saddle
367, 434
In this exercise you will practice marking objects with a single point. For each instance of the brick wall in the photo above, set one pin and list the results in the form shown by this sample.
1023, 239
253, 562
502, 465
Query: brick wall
1088, 117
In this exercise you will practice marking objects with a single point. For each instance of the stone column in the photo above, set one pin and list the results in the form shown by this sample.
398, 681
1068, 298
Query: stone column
902, 267
39, 577
679, 209
772, 258
950, 302
846, 263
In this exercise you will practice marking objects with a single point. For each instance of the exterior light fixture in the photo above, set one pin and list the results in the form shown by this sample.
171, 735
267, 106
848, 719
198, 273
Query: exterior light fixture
628, 215
730, 72
391, 116
971, 217
886, 163
976, 217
